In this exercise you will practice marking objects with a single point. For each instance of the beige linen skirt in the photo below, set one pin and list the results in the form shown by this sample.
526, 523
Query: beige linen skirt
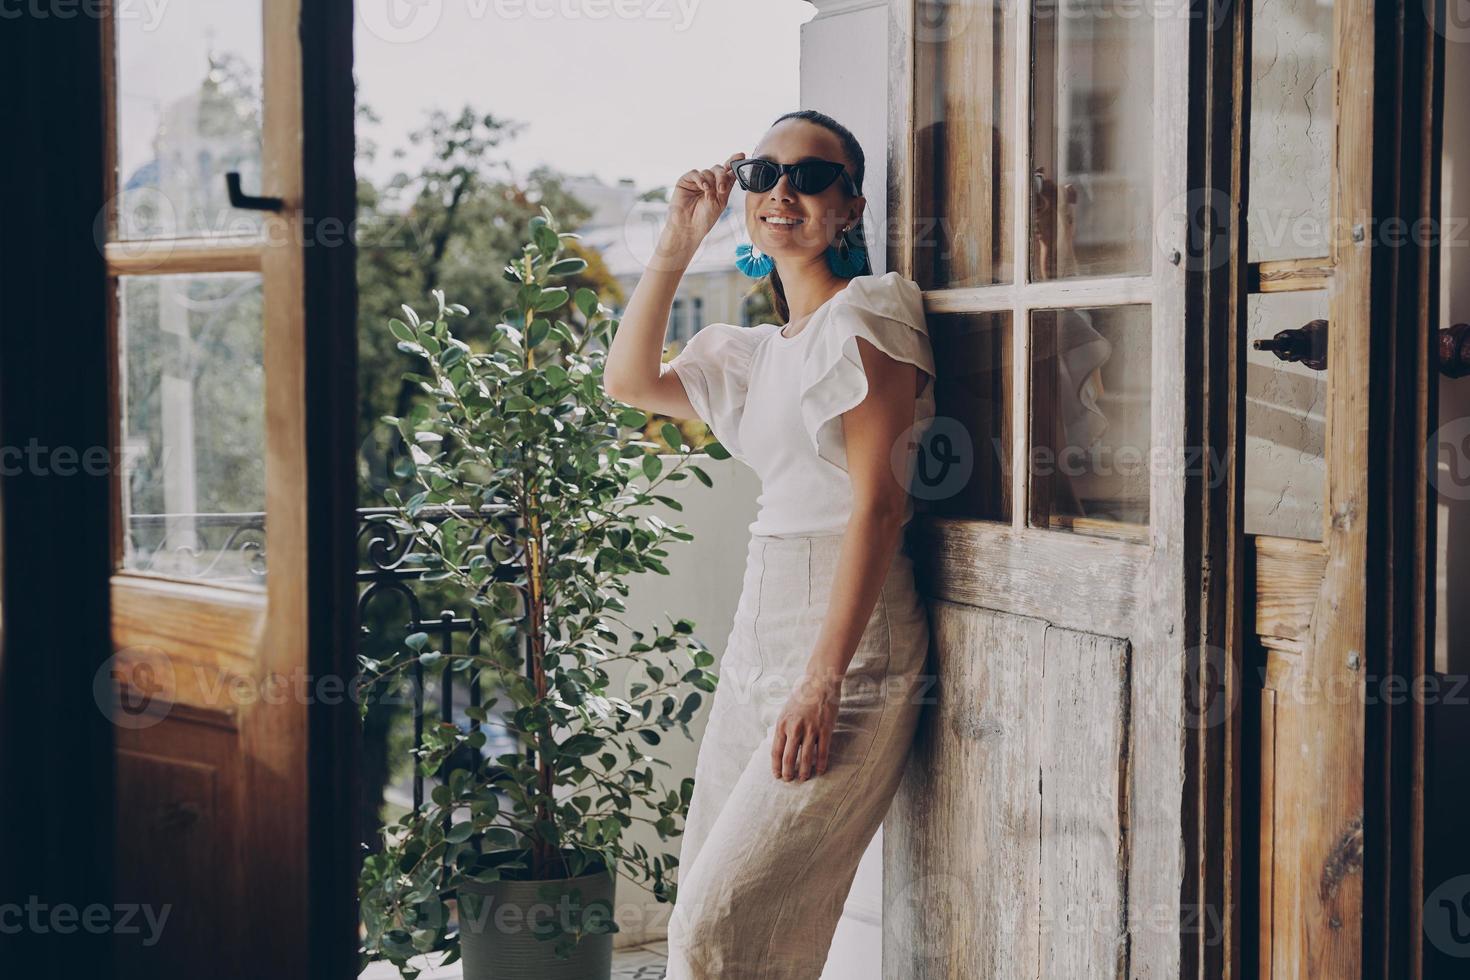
766, 865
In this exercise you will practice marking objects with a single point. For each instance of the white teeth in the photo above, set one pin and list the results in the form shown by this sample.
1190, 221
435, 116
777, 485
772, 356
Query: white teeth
777, 220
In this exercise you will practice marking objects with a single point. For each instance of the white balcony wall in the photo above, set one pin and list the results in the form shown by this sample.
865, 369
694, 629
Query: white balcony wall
703, 585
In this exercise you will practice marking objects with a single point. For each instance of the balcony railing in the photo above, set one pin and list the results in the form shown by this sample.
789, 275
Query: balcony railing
394, 601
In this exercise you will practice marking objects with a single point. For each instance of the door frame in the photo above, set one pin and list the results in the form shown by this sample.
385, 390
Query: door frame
1374, 612
58, 556
333, 734
54, 558
1182, 574
1391, 48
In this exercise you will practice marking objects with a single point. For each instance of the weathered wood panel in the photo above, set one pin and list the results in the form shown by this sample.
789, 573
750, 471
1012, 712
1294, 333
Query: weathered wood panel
1085, 688
961, 846
1069, 580
1288, 576
1006, 851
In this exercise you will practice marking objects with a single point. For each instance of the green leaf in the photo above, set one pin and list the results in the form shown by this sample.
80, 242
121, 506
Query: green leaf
717, 451
567, 267
632, 418
401, 330
672, 436
652, 465
551, 298
537, 332
586, 301
546, 240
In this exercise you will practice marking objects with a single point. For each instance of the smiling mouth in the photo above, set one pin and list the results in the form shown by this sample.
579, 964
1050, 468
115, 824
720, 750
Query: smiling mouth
780, 221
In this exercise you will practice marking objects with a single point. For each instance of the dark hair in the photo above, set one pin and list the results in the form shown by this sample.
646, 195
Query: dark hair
856, 237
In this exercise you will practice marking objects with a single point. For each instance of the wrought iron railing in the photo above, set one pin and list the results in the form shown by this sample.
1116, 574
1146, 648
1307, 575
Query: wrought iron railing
386, 569
207, 547
231, 547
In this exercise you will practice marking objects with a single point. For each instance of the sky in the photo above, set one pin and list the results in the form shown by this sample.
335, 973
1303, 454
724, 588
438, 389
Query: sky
646, 89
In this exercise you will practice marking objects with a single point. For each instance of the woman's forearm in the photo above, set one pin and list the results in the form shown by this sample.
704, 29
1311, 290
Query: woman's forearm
868, 546
634, 359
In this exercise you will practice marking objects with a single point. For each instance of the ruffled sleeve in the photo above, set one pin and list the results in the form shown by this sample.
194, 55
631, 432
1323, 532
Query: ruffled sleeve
714, 367
888, 312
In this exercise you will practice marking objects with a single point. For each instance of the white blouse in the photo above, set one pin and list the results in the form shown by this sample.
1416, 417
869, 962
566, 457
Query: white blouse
776, 402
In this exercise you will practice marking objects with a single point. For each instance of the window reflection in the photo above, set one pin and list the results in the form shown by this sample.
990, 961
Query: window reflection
193, 425
965, 467
1091, 138
964, 147
1090, 426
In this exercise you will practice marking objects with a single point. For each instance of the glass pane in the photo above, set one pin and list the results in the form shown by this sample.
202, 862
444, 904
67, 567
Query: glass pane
1285, 424
963, 142
965, 466
193, 424
1291, 129
188, 112
1091, 138
1091, 386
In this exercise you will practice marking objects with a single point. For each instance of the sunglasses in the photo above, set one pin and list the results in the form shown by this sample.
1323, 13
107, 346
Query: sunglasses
806, 177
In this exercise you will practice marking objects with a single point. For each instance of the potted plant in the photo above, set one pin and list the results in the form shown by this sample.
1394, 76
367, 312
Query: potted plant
545, 483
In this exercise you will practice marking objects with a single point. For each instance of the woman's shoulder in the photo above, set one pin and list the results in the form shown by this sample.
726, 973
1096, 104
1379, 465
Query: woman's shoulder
714, 336
890, 296
724, 344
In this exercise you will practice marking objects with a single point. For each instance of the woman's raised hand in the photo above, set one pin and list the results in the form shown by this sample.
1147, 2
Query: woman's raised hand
698, 200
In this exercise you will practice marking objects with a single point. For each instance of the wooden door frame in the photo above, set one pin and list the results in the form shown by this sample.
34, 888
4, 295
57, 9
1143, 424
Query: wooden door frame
1382, 517
1185, 575
55, 532
1388, 48
1399, 330
329, 196
55, 744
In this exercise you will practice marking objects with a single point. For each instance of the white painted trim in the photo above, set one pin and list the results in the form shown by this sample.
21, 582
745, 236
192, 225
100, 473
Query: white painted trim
833, 8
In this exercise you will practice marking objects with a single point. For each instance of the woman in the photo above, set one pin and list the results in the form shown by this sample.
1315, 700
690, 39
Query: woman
819, 690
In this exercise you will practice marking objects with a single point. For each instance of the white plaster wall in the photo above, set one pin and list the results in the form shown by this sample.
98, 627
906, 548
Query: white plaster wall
844, 73
703, 584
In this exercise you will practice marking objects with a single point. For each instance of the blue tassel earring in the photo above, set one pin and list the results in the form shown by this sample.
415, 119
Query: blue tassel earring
846, 260
753, 262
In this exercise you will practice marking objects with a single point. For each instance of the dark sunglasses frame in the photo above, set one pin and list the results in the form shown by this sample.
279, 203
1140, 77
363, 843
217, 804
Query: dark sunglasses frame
807, 176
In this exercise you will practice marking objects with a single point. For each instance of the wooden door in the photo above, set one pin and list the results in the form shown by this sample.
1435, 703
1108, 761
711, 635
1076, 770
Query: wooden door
1117, 775
1339, 139
232, 331
1041, 161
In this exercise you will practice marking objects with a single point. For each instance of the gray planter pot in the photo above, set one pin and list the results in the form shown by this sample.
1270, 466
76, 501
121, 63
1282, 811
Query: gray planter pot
501, 925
